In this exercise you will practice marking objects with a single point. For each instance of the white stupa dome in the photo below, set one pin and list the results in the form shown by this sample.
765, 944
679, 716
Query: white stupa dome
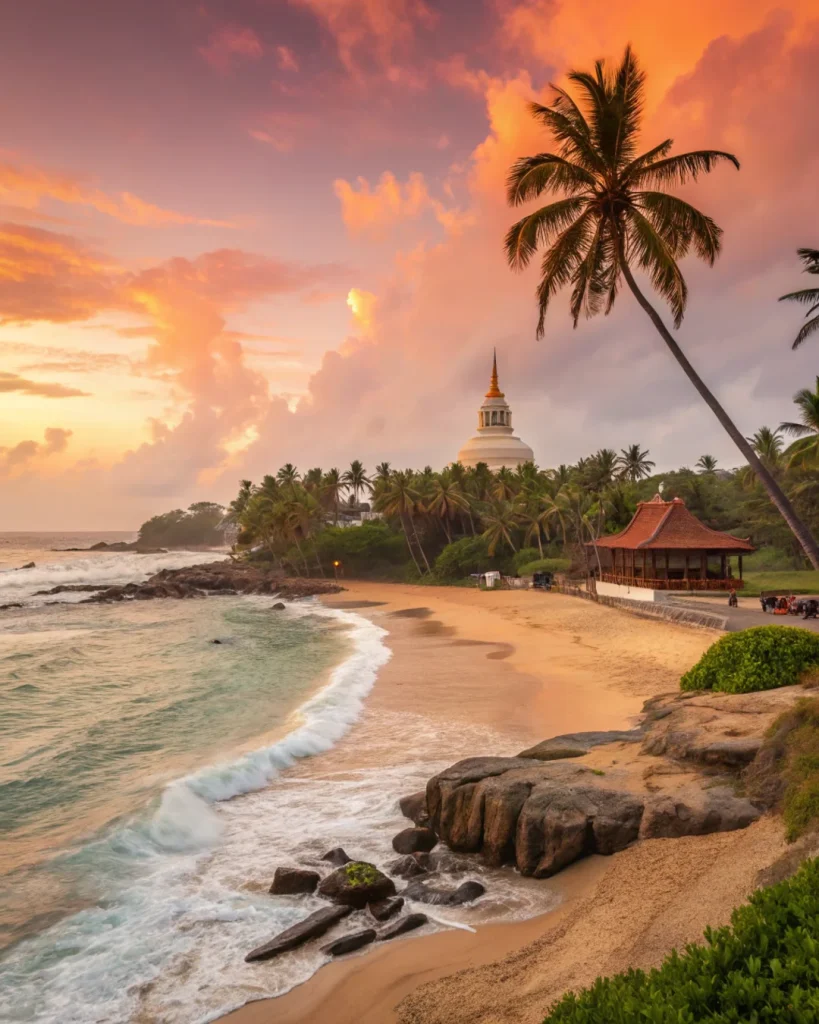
494, 443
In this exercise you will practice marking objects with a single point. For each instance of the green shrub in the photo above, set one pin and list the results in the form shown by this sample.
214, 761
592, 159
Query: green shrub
545, 565
761, 658
524, 557
763, 969
370, 549
465, 556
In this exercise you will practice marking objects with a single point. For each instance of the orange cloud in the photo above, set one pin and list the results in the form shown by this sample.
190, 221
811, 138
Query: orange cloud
374, 211
286, 59
27, 186
20, 457
230, 44
13, 382
371, 31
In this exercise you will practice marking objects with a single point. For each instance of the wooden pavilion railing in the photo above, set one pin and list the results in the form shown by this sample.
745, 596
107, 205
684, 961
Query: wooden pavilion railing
690, 584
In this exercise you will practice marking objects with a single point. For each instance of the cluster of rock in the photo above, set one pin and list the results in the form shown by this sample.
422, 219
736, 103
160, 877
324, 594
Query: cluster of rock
545, 808
358, 887
120, 545
224, 577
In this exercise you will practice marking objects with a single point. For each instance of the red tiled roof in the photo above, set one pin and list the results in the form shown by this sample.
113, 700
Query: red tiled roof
667, 525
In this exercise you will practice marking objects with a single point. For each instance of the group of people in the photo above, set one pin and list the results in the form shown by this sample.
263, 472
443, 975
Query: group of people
807, 607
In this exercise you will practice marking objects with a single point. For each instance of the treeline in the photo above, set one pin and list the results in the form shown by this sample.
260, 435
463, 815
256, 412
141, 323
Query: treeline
448, 524
198, 526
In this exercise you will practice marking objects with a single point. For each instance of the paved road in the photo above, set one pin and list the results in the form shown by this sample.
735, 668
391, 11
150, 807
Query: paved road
744, 618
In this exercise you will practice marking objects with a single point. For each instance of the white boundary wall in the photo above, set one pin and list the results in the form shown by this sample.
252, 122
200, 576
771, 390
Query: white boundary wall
632, 593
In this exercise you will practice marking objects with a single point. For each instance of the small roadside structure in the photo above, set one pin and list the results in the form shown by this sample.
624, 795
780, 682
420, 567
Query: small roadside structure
665, 549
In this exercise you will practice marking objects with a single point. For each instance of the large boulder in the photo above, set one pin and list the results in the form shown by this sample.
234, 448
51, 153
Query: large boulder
694, 811
383, 910
292, 881
414, 840
312, 927
356, 884
349, 943
576, 744
409, 866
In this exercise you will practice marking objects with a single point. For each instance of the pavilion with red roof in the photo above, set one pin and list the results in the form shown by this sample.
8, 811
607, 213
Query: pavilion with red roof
665, 547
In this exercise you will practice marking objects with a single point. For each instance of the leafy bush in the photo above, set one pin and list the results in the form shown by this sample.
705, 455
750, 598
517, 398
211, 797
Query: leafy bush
465, 556
761, 658
524, 556
763, 968
198, 526
366, 550
545, 565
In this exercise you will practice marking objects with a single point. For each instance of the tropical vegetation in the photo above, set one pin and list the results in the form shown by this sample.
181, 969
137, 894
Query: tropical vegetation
614, 217
763, 968
198, 526
806, 297
762, 658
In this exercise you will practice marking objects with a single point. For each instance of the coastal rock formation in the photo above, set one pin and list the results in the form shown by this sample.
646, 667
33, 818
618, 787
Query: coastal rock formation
467, 892
414, 840
414, 807
293, 881
312, 927
350, 943
337, 857
409, 866
225, 577
356, 884
402, 926
546, 808
383, 910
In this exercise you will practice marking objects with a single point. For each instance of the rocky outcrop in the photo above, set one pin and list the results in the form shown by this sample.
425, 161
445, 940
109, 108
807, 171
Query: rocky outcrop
312, 927
409, 866
337, 857
414, 807
414, 840
356, 884
383, 910
546, 808
294, 881
467, 892
224, 577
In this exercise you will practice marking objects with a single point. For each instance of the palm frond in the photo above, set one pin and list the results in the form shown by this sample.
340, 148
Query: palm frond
627, 108
677, 170
795, 429
566, 123
810, 257
806, 331
681, 224
530, 175
539, 228
560, 262
656, 258
638, 163
807, 296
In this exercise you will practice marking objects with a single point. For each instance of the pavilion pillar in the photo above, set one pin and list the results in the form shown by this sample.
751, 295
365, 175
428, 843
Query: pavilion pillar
740, 565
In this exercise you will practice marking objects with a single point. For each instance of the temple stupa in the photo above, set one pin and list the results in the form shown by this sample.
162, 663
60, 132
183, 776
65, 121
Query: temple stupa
494, 443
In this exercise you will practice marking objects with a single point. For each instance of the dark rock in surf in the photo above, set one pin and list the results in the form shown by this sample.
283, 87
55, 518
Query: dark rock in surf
402, 926
350, 943
467, 892
337, 857
28, 565
414, 807
356, 884
279, 606
408, 866
312, 927
383, 910
415, 840
294, 881
11, 604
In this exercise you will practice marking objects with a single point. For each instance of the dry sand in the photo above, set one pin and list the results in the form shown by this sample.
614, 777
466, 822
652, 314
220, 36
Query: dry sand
527, 665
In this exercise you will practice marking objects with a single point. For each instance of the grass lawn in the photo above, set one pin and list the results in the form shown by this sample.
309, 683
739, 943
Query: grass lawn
787, 581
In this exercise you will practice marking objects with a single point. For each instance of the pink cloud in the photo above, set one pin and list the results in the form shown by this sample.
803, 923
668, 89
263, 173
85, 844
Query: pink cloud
27, 454
229, 45
286, 59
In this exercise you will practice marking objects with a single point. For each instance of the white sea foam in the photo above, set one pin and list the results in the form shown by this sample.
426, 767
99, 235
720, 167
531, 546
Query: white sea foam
112, 568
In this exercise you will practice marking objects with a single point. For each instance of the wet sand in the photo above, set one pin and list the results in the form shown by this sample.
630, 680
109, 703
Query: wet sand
522, 666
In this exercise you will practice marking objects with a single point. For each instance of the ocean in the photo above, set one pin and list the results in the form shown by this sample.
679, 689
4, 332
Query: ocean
151, 781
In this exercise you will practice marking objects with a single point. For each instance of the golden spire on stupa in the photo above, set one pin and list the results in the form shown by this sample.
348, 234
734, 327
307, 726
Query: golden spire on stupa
494, 391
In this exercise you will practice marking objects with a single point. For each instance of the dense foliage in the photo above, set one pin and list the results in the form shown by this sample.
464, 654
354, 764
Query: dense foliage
200, 525
762, 969
761, 658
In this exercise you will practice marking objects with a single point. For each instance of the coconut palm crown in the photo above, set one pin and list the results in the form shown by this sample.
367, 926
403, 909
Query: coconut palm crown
614, 217
806, 296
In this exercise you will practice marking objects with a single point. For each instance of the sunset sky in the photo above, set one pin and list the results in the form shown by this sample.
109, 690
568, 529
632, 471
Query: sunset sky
239, 233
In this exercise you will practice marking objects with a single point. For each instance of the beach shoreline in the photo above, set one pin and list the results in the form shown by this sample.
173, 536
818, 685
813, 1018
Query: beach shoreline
529, 666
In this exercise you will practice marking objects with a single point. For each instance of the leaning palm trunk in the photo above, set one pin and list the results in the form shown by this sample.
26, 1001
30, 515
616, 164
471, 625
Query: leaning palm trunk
408, 538
775, 492
420, 545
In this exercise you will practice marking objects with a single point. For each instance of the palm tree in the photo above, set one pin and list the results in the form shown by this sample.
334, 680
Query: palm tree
287, 475
504, 486
707, 464
356, 479
382, 471
602, 468
447, 501
312, 479
805, 451
331, 489
237, 506
807, 296
560, 476
400, 498
614, 216
500, 521
634, 463
767, 444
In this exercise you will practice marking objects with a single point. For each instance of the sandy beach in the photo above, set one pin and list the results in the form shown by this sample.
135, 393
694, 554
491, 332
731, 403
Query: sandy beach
526, 666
